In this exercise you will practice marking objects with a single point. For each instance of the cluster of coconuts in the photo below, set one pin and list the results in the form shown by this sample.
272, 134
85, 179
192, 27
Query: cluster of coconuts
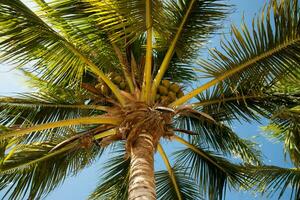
168, 92
117, 79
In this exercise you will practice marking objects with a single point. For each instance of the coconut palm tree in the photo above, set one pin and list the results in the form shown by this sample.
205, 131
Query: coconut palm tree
125, 79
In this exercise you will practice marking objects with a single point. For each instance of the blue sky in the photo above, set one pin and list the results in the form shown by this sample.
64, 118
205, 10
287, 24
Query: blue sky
78, 188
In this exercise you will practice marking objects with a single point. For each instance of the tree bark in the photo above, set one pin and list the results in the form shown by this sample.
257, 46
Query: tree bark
141, 180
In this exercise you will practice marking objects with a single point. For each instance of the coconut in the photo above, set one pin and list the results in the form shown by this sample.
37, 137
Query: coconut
162, 90
174, 87
166, 83
172, 96
117, 79
122, 85
180, 94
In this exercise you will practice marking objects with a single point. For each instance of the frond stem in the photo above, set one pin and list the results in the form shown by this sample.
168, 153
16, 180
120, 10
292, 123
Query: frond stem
233, 71
170, 170
222, 100
68, 122
146, 89
83, 107
185, 131
196, 150
43, 158
165, 63
105, 134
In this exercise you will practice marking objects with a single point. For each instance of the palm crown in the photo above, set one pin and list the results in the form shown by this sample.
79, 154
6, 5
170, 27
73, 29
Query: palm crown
116, 76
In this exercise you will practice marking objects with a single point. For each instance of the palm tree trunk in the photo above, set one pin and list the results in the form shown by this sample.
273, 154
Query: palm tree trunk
141, 180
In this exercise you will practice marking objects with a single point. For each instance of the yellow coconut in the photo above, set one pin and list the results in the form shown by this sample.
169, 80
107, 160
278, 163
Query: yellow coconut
166, 83
174, 87
162, 90
180, 94
172, 96
122, 85
117, 79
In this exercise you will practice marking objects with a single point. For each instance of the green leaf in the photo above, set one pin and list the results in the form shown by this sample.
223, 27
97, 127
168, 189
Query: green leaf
287, 124
204, 18
274, 181
25, 175
268, 53
211, 172
115, 178
247, 102
187, 186
219, 137
28, 40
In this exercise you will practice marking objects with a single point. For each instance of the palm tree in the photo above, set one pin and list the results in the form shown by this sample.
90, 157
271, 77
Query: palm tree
116, 78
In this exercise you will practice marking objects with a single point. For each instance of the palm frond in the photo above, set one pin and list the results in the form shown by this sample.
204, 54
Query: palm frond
49, 104
52, 125
266, 55
27, 39
275, 181
250, 102
219, 137
29, 173
194, 20
170, 171
115, 178
285, 126
81, 33
174, 185
211, 172
165, 188
284, 122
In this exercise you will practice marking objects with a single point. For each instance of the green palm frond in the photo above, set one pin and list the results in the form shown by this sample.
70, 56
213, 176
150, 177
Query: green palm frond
219, 137
276, 181
82, 33
27, 39
203, 18
120, 20
46, 107
49, 103
29, 172
268, 53
165, 188
211, 172
184, 11
285, 127
33, 110
180, 72
262, 56
115, 179
285, 120
248, 102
